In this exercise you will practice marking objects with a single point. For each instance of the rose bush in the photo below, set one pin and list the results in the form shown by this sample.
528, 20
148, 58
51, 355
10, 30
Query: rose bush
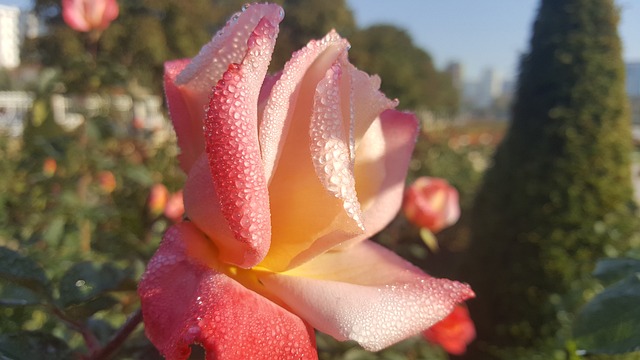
89, 15
288, 176
431, 203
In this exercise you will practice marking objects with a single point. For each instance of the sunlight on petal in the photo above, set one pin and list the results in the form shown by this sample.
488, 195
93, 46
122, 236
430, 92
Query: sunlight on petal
367, 294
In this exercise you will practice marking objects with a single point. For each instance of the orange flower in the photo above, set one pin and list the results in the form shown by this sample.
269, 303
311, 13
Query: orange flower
107, 181
49, 167
431, 203
158, 197
454, 332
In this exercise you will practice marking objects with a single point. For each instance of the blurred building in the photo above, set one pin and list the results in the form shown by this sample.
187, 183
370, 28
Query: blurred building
14, 105
491, 94
9, 36
15, 26
456, 71
489, 88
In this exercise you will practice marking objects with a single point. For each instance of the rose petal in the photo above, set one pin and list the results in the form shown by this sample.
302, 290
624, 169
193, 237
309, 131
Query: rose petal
227, 47
194, 81
367, 294
87, 15
185, 302
295, 184
330, 143
282, 103
74, 15
187, 121
382, 161
231, 135
202, 206
111, 12
201, 201
265, 91
302, 234
368, 101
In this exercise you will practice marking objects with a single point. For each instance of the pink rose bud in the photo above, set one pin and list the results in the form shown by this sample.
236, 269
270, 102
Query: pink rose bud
431, 203
107, 181
88, 15
49, 167
454, 332
158, 197
174, 208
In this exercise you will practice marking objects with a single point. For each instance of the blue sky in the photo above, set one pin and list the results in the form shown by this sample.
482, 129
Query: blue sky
477, 33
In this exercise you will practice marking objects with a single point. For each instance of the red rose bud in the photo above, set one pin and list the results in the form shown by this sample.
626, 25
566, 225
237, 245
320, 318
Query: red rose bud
107, 181
158, 197
49, 167
454, 332
431, 203
174, 208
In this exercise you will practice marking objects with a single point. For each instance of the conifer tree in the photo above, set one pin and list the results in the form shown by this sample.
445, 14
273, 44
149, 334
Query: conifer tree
559, 193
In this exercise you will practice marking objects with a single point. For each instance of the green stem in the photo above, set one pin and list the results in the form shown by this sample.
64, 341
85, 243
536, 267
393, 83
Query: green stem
89, 338
119, 337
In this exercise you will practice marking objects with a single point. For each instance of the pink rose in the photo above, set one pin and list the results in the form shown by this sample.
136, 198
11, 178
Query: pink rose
454, 332
158, 197
88, 15
174, 208
290, 177
431, 203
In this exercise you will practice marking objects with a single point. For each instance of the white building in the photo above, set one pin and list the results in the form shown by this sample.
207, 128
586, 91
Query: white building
9, 36
489, 88
483, 93
15, 26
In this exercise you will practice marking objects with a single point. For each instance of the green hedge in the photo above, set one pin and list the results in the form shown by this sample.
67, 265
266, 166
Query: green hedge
559, 193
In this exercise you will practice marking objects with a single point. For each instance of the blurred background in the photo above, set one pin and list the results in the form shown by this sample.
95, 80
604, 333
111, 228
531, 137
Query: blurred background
89, 177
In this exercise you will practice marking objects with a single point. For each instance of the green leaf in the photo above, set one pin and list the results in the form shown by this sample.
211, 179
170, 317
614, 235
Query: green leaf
86, 309
33, 346
612, 270
610, 322
139, 175
54, 231
23, 271
14, 296
86, 281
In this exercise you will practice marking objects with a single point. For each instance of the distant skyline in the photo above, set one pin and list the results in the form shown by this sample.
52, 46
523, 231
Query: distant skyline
478, 34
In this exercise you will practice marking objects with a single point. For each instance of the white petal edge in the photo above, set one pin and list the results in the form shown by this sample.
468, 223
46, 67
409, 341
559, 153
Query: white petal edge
367, 294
